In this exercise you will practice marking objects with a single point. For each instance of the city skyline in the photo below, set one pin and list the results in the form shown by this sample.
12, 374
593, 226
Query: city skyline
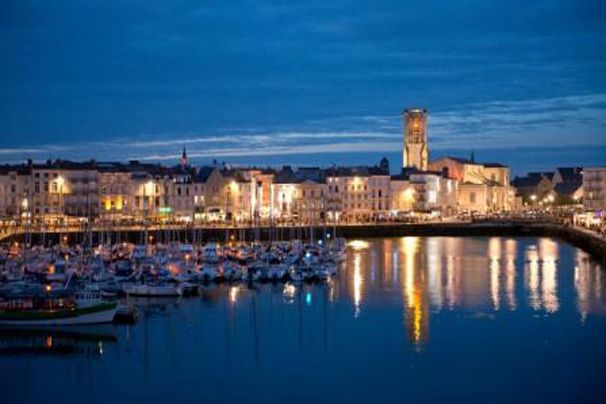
307, 84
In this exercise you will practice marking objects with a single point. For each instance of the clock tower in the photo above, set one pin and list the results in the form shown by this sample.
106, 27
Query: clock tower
415, 153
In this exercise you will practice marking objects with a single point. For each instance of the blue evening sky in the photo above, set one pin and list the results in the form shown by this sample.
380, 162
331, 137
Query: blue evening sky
316, 82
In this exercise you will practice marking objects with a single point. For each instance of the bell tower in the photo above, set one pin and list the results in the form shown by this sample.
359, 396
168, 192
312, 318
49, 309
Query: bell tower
415, 153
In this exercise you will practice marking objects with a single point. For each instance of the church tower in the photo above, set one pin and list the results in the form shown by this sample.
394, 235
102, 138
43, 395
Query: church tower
415, 153
184, 161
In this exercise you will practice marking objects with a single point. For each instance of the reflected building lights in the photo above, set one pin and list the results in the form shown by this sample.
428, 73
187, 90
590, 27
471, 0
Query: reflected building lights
415, 293
589, 284
387, 252
531, 270
510, 273
233, 294
358, 283
494, 255
434, 266
548, 253
288, 293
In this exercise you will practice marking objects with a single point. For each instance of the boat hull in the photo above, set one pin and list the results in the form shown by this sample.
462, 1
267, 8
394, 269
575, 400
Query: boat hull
154, 291
103, 313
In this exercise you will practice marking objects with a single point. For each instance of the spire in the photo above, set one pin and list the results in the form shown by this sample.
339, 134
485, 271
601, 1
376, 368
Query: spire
472, 157
184, 157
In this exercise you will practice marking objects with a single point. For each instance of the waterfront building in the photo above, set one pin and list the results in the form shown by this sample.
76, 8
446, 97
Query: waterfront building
357, 193
114, 192
423, 191
594, 188
236, 194
301, 196
568, 185
533, 187
402, 195
482, 187
562, 186
13, 191
49, 191
261, 197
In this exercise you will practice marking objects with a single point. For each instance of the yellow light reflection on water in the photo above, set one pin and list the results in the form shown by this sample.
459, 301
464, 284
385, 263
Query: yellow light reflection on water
358, 283
414, 291
434, 267
589, 286
532, 277
494, 255
510, 273
358, 245
548, 252
233, 294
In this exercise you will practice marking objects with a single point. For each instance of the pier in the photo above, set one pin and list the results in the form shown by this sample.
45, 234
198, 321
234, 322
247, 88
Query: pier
580, 237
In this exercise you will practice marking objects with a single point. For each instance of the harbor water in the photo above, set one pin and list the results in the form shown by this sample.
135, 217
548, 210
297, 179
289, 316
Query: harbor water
407, 319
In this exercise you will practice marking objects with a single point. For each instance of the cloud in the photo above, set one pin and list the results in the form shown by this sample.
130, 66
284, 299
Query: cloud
577, 120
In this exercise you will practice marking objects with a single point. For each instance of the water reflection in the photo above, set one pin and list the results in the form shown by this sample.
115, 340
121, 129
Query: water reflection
474, 274
427, 311
357, 281
589, 283
78, 341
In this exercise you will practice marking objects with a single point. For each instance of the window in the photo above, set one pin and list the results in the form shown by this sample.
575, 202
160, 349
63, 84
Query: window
472, 197
380, 193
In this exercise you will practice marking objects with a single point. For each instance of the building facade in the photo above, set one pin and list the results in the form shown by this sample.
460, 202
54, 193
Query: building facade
594, 188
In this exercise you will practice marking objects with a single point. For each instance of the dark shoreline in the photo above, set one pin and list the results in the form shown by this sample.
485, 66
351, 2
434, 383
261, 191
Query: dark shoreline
592, 244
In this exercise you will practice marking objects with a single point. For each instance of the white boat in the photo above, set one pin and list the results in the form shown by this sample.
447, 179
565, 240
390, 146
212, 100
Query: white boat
232, 271
211, 253
152, 290
209, 273
57, 309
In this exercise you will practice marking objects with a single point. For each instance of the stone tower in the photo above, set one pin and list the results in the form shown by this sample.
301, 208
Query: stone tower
415, 153
184, 160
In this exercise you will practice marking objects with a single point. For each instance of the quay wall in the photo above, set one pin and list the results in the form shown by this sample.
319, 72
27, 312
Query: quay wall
580, 238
